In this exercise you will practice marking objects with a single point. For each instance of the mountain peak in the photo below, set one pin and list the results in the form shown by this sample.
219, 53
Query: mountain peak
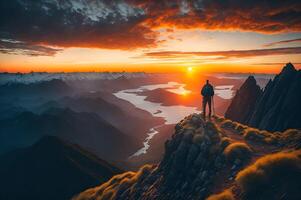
288, 68
244, 101
201, 157
251, 79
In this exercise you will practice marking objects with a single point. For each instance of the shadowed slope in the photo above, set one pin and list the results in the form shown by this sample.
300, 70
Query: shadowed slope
50, 169
201, 159
243, 103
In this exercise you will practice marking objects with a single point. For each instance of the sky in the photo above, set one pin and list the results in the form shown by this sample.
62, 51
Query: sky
149, 35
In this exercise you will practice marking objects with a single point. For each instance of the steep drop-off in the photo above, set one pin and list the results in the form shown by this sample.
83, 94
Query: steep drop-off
280, 108
205, 158
244, 101
277, 108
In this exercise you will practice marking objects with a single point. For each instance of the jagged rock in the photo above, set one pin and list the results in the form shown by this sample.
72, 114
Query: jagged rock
277, 108
193, 166
244, 101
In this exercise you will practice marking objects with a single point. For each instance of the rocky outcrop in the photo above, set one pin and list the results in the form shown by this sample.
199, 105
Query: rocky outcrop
193, 163
204, 158
243, 103
280, 105
277, 108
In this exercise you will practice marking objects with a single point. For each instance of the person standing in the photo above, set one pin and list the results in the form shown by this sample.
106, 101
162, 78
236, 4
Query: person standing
207, 93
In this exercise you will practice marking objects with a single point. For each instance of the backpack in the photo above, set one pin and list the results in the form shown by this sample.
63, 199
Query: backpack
207, 90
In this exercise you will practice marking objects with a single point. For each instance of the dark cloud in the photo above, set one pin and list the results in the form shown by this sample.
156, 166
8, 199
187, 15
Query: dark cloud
283, 42
17, 47
75, 23
226, 54
131, 24
248, 15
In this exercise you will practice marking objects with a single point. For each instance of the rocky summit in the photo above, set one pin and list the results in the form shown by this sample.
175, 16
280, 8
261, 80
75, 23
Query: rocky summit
211, 160
276, 108
244, 101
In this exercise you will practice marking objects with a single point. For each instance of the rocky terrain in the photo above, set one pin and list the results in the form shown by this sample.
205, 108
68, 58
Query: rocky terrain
244, 101
216, 159
277, 108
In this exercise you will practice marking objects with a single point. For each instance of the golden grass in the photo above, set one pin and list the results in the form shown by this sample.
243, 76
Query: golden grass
282, 171
225, 195
237, 150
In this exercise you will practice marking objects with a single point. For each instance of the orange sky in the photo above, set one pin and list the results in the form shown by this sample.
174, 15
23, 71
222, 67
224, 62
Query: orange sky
147, 36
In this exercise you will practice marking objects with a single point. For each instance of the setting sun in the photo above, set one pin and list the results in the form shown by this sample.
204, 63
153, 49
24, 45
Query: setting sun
189, 69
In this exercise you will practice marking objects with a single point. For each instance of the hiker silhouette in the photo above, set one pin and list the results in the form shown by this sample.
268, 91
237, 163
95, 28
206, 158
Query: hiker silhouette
207, 93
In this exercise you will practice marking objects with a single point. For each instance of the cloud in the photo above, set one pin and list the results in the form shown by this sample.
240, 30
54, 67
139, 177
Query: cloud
226, 54
23, 48
75, 23
132, 24
250, 15
283, 42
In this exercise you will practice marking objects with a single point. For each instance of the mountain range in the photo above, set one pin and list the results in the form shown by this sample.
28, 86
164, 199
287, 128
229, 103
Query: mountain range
217, 159
87, 129
51, 169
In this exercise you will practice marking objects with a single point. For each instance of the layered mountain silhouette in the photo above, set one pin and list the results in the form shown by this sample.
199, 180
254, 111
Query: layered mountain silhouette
277, 108
86, 129
50, 169
243, 103
48, 88
217, 159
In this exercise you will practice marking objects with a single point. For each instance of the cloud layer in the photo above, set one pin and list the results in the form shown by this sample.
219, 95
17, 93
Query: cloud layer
226, 54
249, 15
132, 24
297, 40
23, 48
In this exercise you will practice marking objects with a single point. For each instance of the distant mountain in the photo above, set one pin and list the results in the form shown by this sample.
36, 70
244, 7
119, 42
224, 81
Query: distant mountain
54, 87
244, 101
72, 76
220, 156
120, 114
86, 129
9, 110
277, 108
50, 169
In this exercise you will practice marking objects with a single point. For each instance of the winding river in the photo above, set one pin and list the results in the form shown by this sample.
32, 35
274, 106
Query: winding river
171, 114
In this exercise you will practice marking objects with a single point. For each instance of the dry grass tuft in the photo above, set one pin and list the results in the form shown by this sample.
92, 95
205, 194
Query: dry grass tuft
228, 124
272, 176
213, 132
238, 150
225, 195
117, 184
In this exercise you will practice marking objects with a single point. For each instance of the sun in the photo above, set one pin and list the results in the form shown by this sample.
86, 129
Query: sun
189, 69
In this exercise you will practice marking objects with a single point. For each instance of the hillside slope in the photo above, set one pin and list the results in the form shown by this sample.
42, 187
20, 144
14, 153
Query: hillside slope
50, 169
86, 129
204, 158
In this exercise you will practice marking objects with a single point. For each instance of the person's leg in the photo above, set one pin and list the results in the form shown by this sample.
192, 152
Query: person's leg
204, 107
209, 105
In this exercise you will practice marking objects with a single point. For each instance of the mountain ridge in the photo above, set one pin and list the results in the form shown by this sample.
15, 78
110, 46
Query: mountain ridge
207, 157
51, 169
277, 108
